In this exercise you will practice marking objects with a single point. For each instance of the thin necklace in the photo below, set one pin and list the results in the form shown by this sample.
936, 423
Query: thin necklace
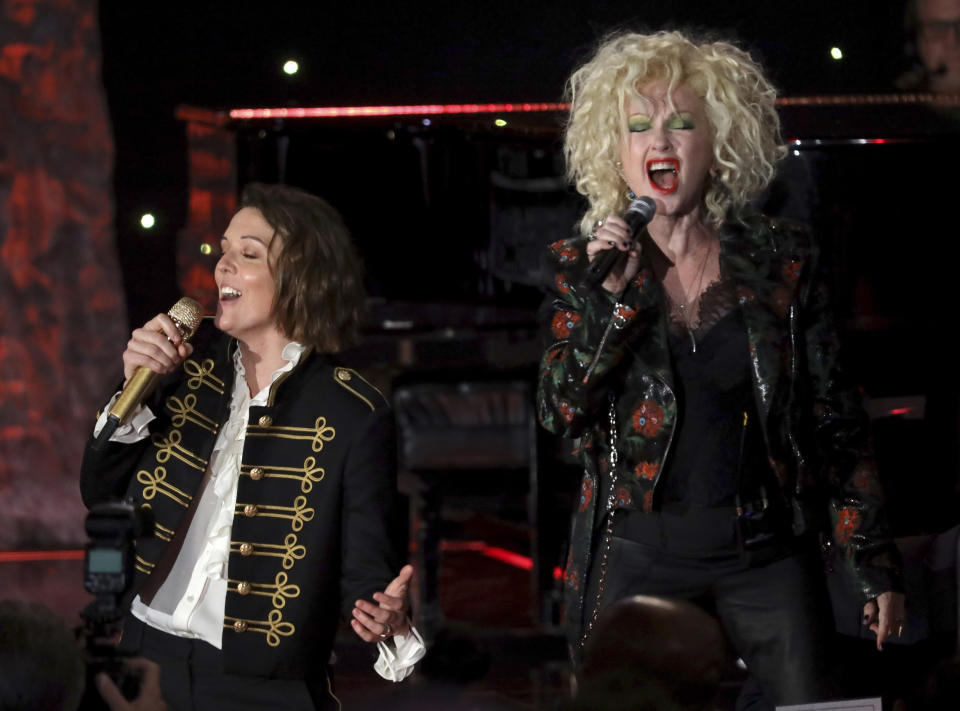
685, 305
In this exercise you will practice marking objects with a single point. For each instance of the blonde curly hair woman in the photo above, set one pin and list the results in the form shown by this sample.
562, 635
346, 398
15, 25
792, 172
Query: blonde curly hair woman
720, 437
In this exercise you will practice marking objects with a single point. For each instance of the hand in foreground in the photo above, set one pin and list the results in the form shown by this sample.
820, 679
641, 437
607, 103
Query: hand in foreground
375, 623
157, 346
614, 233
884, 615
149, 698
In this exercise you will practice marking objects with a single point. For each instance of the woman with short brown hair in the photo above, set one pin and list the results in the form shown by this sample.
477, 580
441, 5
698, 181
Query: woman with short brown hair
269, 467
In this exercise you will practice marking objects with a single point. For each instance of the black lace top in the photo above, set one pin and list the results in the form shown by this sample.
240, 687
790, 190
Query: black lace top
712, 451
714, 392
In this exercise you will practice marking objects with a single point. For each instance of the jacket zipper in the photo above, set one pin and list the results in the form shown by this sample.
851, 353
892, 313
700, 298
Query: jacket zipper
797, 454
666, 451
602, 344
611, 510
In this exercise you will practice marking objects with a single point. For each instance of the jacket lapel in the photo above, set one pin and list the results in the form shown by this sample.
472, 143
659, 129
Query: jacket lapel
762, 276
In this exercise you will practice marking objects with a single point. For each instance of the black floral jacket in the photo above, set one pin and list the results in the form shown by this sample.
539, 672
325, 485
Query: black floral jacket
813, 421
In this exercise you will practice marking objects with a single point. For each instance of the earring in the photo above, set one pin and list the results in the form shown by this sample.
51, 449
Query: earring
631, 196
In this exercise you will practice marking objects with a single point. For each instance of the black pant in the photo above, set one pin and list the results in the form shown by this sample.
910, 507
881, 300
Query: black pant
192, 678
776, 616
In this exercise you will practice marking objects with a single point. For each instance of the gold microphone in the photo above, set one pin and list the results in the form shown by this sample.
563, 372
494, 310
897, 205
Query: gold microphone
186, 315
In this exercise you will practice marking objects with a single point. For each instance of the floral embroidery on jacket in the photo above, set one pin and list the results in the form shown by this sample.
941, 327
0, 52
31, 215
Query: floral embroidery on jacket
563, 321
567, 411
791, 271
622, 315
586, 493
648, 419
552, 357
648, 501
777, 272
847, 524
647, 470
566, 253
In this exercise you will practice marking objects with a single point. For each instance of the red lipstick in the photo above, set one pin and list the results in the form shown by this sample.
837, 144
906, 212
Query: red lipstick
663, 174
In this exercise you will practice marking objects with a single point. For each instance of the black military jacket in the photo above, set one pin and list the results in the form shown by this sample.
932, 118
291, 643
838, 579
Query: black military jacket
311, 530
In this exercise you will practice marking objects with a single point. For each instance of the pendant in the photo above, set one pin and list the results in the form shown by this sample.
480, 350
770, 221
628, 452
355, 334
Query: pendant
693, 341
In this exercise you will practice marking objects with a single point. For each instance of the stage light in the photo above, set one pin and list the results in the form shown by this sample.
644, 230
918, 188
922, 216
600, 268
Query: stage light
291, 67
426, 122
147, 220
205, 248
836, 53
500, 123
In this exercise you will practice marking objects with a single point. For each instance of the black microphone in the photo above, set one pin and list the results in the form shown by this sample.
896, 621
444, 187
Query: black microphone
186, 315
638, 214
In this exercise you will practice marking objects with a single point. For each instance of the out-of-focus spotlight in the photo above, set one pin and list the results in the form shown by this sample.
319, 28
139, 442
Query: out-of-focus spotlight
499, 123
147, 220
836, 53
426, 122
291, 67
206, 249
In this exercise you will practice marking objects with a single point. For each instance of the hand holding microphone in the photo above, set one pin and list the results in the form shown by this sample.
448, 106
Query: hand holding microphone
611, 262
153, 350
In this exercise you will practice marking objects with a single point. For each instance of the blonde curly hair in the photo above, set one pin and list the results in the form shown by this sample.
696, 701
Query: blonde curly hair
738, 100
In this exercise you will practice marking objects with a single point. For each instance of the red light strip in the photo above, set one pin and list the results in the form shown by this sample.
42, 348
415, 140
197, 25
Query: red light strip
870, 99
30, 556
508, 557
502, 554
527, 107
411, 110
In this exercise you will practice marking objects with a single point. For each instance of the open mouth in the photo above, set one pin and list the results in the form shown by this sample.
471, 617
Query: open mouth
663, 174
228, 293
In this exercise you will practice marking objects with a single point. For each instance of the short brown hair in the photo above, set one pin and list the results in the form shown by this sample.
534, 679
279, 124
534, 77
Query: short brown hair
319, 299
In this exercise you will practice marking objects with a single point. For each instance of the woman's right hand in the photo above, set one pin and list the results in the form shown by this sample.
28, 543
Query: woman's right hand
614, 233
157, 345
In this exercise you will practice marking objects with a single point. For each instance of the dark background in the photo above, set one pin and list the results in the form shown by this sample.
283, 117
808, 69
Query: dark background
223, 55
879, 209
884, 211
